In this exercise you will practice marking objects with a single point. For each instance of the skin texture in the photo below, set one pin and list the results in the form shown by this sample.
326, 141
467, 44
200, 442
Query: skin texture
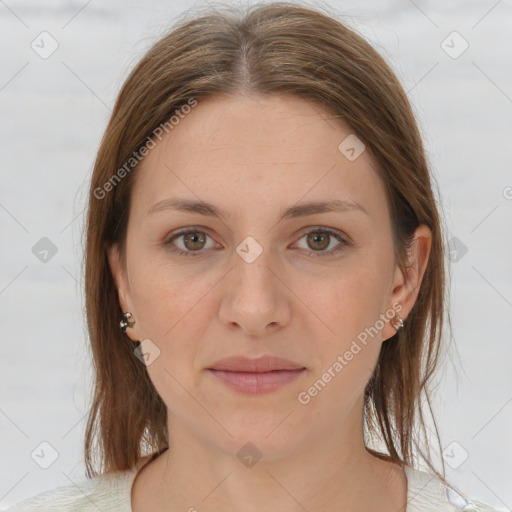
254, 157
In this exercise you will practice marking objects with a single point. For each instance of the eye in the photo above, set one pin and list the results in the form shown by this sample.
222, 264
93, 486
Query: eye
320, 239
193, 241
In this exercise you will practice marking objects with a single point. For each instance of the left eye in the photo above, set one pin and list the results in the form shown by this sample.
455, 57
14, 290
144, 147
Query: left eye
320, 239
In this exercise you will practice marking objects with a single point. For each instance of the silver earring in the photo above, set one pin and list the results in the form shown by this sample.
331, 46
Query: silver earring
397, 322
125, 322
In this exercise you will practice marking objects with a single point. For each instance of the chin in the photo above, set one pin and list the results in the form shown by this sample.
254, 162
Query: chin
267, 438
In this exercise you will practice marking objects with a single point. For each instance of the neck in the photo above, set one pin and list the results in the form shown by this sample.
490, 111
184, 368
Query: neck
330, 472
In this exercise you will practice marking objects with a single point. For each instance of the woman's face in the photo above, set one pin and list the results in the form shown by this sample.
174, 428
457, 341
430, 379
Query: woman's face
314, 287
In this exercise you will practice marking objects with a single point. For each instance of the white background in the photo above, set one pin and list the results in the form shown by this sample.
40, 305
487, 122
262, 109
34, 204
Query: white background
53, 113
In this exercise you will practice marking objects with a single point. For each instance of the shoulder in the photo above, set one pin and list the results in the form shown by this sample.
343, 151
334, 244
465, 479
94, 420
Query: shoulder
427, 493
109, 492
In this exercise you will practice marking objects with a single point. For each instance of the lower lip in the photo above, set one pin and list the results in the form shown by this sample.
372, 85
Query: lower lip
254, 383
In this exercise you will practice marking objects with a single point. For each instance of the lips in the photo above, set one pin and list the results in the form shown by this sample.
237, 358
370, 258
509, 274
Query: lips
259, 365
253, 376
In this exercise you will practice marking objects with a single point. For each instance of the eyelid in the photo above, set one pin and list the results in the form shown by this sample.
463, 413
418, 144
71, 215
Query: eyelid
185, 231
344, 240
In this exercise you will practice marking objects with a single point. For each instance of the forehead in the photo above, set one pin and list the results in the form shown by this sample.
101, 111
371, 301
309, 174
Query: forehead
253, 150
283, 125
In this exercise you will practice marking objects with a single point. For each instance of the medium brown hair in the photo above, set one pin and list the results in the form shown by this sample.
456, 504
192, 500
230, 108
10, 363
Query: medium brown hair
264, 49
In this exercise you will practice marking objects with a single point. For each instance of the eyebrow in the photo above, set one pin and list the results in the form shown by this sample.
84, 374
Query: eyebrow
301, 210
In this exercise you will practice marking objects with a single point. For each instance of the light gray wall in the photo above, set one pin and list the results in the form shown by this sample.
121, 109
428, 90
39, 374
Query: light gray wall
53, 113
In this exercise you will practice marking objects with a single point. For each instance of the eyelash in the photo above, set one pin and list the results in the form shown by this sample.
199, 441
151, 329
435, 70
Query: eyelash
322, 254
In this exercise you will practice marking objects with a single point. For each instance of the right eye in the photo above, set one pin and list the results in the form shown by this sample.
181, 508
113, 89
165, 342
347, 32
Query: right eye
193, 240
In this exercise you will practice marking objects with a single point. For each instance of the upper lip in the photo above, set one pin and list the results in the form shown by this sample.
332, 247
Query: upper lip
257, 365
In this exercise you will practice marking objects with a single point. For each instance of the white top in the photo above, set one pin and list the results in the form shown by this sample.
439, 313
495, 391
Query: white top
112, 493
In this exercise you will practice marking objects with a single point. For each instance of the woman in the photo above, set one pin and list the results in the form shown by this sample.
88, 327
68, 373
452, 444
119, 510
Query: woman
264, 278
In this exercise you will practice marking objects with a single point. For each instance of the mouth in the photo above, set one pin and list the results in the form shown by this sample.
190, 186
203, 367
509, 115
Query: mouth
256, 382
254, 376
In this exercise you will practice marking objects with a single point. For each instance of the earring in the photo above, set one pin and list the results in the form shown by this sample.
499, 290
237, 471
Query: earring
397, 322
125, 322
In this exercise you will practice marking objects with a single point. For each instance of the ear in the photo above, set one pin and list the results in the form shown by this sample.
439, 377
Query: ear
120, 277
406, 284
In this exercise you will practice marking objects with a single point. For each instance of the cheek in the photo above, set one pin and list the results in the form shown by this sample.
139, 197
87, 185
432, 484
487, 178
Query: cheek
169, 307
351, 299
163, 294
347, 351
174, 311
348, 338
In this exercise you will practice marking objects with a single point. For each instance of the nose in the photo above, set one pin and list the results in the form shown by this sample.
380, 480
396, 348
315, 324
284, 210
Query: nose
255, 299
